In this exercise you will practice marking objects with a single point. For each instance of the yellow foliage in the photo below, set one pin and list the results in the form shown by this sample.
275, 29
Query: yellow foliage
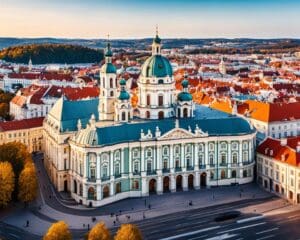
58, 231
28, 184
128, 232
99, 232
7, 183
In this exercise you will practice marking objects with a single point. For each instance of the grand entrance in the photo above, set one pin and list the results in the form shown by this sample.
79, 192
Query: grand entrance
105, 192
179, 183
166, 184
152, 186
191, 181
160, 115
203, 180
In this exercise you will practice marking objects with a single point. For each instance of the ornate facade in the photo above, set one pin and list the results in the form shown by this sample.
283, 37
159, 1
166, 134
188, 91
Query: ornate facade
171, 145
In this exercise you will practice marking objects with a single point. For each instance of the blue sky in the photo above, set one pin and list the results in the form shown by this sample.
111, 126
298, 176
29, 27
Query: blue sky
138, 18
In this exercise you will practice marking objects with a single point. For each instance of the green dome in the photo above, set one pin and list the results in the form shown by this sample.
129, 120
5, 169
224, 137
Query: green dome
184, 96
122, 82
108, 68
124, 95
185, 83
157, 66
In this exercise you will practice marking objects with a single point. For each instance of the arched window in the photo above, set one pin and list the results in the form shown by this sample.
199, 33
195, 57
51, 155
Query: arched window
245, 156
111, 93
233, 174
245, 145
149, 166
160, 100
148, 100
105, 192
117, 169
211, 147
118, 187
123, 116
104, 171
223, 174
211, 159
136, 167
177, 150
165, 163
177, 163
188, 148
149, 152
165, 151
200, 159
80, 190
188, 162
234, 158
185, 112
201, 148
223, 146
92, 164
135, 185
245, 173
223, 158
91, 194
111, 83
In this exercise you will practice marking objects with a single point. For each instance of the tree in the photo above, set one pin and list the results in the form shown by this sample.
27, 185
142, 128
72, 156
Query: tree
7, 183
99, 232
28, 184
128, 232
58, 231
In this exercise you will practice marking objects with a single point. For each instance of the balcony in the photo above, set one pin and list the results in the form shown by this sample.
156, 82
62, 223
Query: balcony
224, 164
91, 179
136, 172
202, 166
178, 169
105, 178
152, 172
118, 175
190, 168
165, 170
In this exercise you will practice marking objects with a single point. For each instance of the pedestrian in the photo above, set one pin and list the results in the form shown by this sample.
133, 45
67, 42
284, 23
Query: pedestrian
83, 225
88, 226
149, 206
240, 194
145, 202
114, 223
144, 215
27, 223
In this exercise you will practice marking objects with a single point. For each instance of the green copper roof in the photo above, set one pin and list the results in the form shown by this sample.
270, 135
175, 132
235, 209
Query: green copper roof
68, 112
124, 95
184, 96
157, 39
108, 68
185, 83
108, 52
157, 66
122, 82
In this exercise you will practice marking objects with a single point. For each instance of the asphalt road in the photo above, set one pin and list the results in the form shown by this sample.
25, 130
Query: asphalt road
201, 224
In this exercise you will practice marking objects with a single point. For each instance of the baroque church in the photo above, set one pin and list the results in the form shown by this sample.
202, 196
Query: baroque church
104, 150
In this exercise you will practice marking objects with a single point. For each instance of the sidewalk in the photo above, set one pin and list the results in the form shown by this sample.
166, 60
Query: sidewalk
42, 218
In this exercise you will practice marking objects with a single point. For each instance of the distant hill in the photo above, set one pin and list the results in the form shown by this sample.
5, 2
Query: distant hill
51, 53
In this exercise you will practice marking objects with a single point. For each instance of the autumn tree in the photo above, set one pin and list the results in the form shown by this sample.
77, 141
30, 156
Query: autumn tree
28, 184
128, 232
99, 232
58, 231
7, 183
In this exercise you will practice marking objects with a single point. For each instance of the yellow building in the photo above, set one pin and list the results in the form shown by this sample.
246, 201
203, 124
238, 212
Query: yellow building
27, 131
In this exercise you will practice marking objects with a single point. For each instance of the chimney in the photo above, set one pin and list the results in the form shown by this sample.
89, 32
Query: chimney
283, 141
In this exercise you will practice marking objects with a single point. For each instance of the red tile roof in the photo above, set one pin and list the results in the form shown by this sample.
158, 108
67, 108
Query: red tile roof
42, 76
21, 124
285, 153
272, 112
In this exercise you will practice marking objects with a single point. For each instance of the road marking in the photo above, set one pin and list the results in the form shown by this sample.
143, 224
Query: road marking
190, 233
268, 230
248, 226
189, 223
221, 237
269, 236
249, 219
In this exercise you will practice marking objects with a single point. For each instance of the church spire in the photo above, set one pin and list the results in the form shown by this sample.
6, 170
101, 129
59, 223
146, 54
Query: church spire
156, 45
108, 51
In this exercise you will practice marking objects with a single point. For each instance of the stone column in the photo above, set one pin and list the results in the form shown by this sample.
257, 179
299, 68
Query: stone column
99, 192
98, 166
206, 159
195, 157
173, 183
171, 157
111, 163
145, 190
142, 159
185, 182
112, 186
159, 186
229, 160
240, 153
122, 161
130, 160
197, 180
182, 156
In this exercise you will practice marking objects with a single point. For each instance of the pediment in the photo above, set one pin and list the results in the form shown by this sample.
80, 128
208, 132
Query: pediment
177, 133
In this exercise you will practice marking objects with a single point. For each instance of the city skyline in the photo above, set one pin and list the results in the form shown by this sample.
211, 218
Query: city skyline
137, 19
